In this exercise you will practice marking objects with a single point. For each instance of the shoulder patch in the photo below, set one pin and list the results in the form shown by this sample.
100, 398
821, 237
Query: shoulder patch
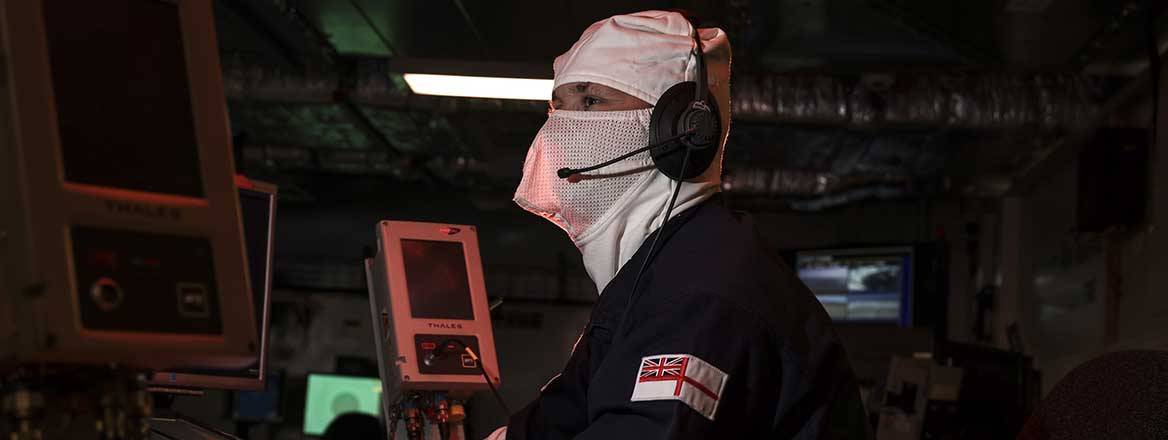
683, 377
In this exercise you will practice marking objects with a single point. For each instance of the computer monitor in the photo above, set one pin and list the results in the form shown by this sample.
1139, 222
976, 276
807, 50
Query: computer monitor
427, 294
329, 396
120, 216
861, 285
257, 203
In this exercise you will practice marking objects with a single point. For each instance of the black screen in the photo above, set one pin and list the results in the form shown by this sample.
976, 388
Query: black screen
255, 208
122, 97
436, 278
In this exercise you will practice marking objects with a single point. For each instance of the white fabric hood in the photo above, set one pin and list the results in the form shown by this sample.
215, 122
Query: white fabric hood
642, 54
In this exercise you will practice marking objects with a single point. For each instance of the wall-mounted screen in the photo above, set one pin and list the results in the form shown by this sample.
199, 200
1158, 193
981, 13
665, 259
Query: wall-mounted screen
329, 396
860, 285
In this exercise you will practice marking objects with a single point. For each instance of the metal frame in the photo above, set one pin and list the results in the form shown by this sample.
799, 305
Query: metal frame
211, 381
39, 208
395, 327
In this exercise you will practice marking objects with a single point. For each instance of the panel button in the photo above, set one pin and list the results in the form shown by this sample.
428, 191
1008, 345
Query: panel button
192, 300
469, 362
106, 293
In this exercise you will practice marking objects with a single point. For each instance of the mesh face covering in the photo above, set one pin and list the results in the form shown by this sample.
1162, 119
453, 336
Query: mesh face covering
577, 139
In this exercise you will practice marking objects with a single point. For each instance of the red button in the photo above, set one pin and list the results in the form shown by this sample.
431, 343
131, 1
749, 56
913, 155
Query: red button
429, 345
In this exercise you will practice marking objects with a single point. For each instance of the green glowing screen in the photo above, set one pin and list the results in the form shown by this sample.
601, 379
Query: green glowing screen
329, 396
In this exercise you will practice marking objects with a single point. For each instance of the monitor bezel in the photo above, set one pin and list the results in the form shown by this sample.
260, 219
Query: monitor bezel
237, 383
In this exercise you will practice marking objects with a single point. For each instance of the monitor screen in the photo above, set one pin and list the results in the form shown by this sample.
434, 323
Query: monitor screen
122, 95
255, 210
330, 396
436, 279
858, 286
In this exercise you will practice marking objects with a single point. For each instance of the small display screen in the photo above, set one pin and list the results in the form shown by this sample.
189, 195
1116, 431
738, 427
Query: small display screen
331, 396
437, 280
857, 287
122, 95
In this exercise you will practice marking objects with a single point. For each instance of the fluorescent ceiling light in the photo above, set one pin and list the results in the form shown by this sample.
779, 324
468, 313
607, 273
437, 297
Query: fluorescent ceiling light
480, 86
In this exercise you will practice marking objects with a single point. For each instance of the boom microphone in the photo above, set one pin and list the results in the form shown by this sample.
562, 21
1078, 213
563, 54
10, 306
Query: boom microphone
566, 172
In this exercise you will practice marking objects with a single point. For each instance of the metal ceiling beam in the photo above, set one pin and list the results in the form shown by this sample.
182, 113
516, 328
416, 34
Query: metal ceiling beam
376, 30
286, 27
1063, 153
249, 12
474, 29
1126, 16
896, 12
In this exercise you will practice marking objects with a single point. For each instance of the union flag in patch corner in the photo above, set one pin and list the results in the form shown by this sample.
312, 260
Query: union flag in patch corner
682, 377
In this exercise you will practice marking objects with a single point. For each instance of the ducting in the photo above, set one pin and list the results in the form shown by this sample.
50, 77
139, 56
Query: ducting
802, 190
800, 183
849, 197
963, 101
1054, 102
361, 81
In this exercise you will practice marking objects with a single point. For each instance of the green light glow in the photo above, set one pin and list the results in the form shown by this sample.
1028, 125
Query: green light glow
330, 396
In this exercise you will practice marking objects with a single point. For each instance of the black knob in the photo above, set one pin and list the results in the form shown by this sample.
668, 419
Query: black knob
106, 293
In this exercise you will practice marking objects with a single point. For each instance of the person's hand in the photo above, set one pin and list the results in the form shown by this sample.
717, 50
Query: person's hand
499, 434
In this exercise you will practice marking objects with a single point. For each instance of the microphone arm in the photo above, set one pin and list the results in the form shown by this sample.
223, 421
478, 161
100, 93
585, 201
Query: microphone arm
566, 172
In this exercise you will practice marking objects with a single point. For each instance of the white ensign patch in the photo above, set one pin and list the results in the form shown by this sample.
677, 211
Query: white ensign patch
682, 377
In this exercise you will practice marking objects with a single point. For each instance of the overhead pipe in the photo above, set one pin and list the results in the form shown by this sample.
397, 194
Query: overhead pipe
800, 183
1047, 102
849, 197
1052, 102
361, 81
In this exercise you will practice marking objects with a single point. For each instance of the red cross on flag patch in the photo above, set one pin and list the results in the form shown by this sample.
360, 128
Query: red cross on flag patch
682, 377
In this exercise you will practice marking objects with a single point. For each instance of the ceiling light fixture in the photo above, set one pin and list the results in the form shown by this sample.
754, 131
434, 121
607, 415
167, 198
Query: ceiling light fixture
479, 86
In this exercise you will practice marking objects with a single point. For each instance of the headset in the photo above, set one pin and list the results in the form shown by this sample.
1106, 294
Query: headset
684, 120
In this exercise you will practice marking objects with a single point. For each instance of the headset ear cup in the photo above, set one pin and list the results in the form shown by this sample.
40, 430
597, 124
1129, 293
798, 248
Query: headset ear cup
676, 113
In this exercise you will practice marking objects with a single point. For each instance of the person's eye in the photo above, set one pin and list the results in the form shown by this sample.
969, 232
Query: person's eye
590, 101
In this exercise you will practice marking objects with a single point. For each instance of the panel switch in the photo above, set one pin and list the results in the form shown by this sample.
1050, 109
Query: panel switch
469, 362
192, 300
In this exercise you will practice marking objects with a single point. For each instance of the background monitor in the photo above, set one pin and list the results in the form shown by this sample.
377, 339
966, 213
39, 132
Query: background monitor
329, 396
868, 285
257, 203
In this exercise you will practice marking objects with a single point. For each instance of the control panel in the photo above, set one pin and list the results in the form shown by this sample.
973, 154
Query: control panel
454, 359
144, 282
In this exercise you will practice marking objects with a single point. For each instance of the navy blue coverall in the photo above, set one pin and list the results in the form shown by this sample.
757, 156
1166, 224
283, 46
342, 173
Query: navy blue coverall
712, 293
